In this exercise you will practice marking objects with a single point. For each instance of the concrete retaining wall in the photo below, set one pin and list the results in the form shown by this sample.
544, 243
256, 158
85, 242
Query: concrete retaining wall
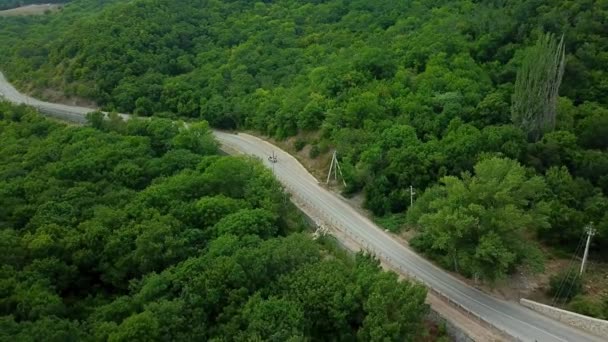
595, 326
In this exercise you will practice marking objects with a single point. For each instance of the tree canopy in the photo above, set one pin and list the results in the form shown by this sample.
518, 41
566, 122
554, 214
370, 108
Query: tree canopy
476, 224
536, 88
136, 231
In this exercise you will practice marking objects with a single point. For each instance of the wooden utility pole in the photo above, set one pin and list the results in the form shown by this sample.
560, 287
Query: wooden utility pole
335, 167
412, 193
590, 233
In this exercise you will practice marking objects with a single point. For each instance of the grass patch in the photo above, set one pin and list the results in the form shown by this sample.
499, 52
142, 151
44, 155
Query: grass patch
393, 222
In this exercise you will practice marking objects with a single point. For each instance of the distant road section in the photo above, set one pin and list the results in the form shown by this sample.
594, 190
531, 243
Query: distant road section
509, 317
30, 10
61, 111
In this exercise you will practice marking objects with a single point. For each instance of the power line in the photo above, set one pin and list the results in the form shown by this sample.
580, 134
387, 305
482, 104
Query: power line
562, 285
574, 280
590, 232
570, 268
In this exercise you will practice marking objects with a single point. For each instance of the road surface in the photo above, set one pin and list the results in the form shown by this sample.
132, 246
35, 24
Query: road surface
509, 317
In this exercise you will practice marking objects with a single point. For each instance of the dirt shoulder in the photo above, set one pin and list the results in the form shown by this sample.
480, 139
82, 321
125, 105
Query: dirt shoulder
57, 96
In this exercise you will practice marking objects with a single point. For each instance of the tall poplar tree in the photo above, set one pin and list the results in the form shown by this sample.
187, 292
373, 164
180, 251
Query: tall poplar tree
534, 102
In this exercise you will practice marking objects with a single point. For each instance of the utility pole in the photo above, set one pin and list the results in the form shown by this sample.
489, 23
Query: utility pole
412, 193
590, 233
335, 166
331, 167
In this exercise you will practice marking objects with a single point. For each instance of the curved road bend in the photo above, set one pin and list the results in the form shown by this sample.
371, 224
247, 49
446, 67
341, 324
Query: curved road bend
510, 317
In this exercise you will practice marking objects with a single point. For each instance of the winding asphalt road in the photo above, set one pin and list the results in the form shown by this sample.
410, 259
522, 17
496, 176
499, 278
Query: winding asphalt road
512, 318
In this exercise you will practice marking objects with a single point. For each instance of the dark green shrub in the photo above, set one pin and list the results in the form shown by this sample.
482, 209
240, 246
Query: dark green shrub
314, 152
586, 306
323, 147
299, 144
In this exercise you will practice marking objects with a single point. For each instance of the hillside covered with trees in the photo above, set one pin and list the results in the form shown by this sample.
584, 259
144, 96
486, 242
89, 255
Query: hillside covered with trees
433, 94
140, 231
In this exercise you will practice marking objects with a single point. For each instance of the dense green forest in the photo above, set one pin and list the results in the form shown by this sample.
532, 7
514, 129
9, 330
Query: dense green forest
421, 93
140, 231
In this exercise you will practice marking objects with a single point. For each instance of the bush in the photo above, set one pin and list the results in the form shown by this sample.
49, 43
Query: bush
605, 305
314, 152
299, 144
587, 307
323, 147
393, 222
565, 286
